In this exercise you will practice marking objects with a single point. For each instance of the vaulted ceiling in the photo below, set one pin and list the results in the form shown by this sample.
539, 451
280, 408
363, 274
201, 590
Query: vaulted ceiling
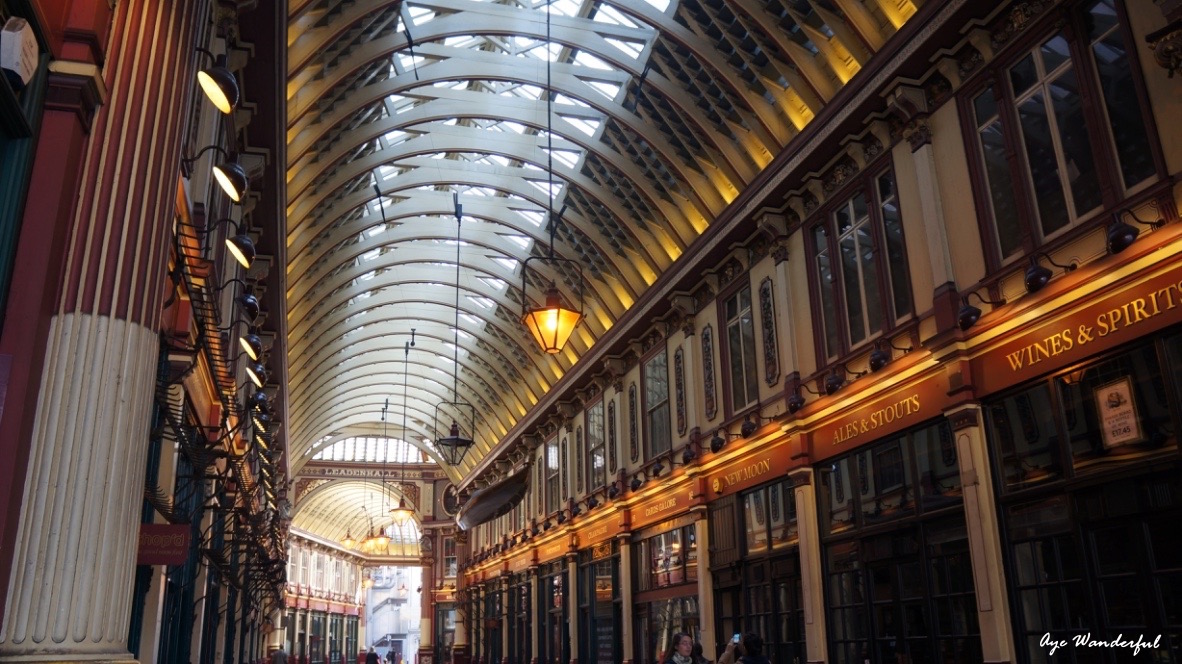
662, 113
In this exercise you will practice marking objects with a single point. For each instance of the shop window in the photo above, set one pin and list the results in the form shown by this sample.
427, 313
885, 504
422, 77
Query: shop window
552, 476
903, 596
1048, 125
521, 619
659, 621
600, 611
770, 517
596, 447
740, 349
553, 636
1110, 412
670, 558
658, 437
860, 266
450, 566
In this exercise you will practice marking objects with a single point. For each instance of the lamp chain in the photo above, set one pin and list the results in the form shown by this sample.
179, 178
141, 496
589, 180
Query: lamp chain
550, 133
405, 399
455, 347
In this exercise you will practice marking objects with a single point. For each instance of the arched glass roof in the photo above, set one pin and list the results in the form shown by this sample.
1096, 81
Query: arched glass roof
661, 114
371, 449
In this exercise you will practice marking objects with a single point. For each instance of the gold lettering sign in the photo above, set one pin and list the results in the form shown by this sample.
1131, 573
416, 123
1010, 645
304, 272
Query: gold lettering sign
752, 471
659, 509
1153, 303
1111, 320
879, 417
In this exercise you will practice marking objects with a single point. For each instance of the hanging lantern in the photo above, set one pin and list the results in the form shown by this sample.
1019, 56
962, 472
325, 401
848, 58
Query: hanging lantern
552, 323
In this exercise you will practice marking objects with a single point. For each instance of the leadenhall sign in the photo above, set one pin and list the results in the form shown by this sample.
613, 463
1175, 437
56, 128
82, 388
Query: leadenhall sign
1109, 321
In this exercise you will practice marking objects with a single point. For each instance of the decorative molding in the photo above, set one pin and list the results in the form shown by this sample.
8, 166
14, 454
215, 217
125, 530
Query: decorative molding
1166, 45
767, 314
76, 87
730, 270
708, 372
633, 439
612, 440
839, 175
1018, 19
918, 133
580, 453
964, 419
679, 389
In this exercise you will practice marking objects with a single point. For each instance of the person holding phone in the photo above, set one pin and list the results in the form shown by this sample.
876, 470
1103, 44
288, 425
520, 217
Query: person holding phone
744, 649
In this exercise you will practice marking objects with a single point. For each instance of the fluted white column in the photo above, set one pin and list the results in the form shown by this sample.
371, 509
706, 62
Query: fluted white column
812, 581
74, 563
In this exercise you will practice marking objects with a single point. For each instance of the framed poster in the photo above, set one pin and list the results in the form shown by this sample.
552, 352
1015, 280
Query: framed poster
1117, 408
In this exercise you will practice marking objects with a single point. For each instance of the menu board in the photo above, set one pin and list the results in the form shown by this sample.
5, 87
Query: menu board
605, 642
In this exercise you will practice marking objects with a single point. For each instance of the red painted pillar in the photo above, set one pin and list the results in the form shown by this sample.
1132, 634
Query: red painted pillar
95, 292
71, 102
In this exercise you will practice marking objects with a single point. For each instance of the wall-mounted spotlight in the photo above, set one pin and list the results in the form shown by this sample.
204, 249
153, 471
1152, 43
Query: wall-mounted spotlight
837, 378
1037, 276
720, 438
692, 449
240, 246
881, 355
246, 301
968, 314
1120, 235
638, 481
252, 345
258, 400
257, 373
218, 83
795, 401
229, 173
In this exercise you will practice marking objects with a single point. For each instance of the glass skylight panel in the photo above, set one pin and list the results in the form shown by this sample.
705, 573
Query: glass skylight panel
484, 302
497, 284
611, 15
608, 90
564, 100
567, 157
508, 263
420, 15
460, 332
472, 320
377, 228
631, 48
593, 61
588, 127
370, 255
521, 240
516, 127
532, 216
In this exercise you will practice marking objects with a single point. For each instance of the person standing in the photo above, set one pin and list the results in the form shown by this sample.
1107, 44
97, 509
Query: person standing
683, 645
279, 656
372, 657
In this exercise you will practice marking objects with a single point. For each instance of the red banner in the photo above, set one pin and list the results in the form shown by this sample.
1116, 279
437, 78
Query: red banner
163, 544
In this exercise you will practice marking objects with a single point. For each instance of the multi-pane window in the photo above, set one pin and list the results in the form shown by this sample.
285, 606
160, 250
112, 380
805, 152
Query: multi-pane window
1060, 124
552, 475
740, 346
656, 404
667, 559
861, 266
899, 575
596, 449
450, 567
770, 517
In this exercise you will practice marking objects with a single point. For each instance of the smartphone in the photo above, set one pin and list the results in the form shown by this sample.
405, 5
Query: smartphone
735, 638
